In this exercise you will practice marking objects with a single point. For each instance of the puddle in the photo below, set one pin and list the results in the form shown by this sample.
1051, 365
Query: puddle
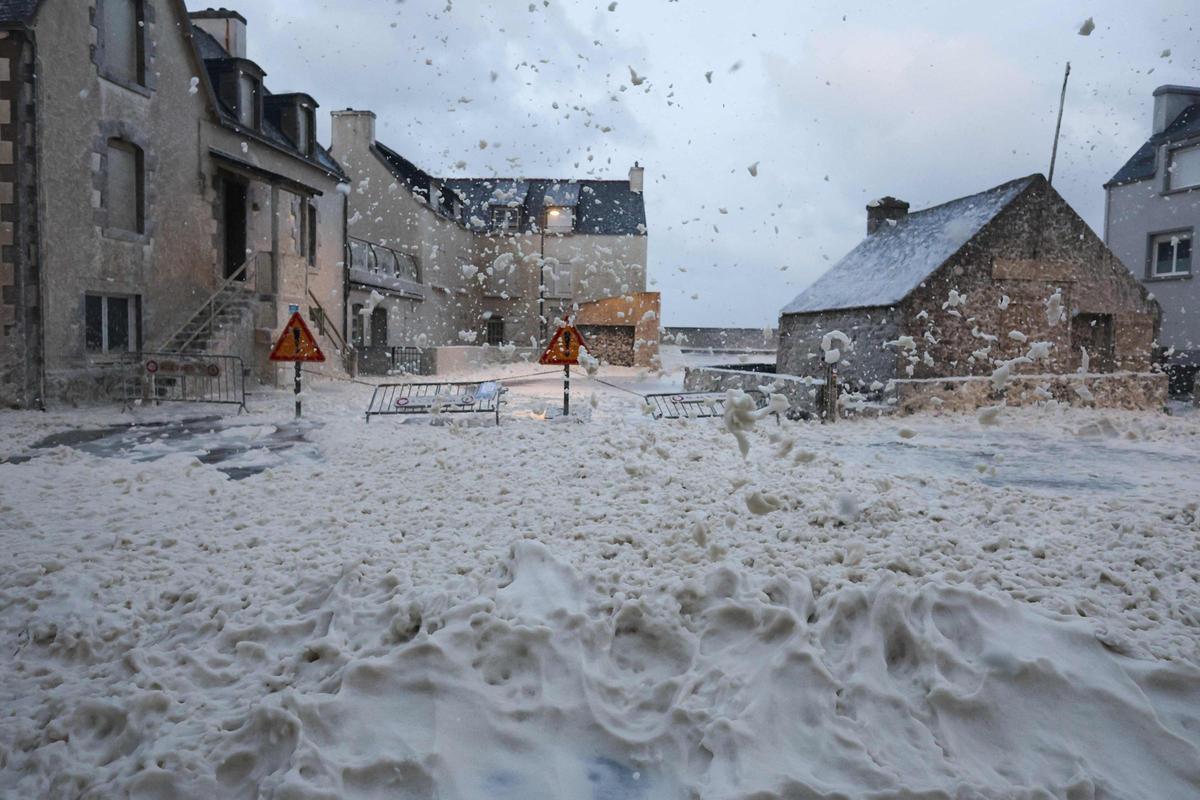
239, 449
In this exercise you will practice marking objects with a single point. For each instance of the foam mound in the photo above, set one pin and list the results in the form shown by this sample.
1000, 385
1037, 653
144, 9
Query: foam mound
540, 685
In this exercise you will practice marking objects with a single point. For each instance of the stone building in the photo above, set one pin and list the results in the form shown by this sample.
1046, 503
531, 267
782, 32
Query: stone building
1150, 222
144, 171
438, 263
1010, 281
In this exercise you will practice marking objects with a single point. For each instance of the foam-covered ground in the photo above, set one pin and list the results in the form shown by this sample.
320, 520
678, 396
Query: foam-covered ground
622, 608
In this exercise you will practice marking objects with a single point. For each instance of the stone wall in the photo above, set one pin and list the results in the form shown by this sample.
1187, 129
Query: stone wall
724, 339
20, 283
867, 360
612, 344
1033, 248
803, 393
1127, 390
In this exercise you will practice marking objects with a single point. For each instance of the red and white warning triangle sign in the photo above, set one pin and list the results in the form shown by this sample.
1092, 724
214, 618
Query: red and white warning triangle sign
296, 343
563, 349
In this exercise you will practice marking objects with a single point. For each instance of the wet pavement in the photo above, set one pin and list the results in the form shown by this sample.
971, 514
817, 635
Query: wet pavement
238, 449
1067, 465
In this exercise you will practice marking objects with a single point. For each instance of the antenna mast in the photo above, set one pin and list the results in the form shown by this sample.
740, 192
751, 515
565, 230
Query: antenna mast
1062, 101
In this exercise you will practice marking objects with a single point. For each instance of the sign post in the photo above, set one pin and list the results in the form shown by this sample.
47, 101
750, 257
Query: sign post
564, 350
298, 345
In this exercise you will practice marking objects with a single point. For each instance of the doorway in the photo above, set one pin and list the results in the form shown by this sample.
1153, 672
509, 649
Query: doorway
379, 327
1094, 333
234, 192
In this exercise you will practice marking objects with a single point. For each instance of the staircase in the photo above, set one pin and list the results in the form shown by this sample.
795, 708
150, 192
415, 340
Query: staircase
227, 307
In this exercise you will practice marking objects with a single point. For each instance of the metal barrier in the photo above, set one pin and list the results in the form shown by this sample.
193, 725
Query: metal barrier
407, 360
436, 398
185, 378
384, 360
694, 405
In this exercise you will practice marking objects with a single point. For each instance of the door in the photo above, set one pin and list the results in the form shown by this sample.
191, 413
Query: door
1093, 333
379, 327
234, 224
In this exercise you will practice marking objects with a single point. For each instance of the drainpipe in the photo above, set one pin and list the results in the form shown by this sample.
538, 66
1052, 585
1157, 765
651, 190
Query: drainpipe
346, 283
39, 215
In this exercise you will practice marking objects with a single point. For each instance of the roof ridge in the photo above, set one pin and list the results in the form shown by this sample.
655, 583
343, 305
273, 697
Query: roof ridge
996, 188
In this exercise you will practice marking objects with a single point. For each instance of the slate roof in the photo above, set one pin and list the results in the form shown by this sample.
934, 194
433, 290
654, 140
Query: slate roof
17, 10
416, 179
601, 207
887, 265
605, 208
211, 50
1141, 166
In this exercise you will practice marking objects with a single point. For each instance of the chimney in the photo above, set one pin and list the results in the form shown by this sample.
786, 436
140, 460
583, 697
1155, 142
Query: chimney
226, 26
1169, 103
637, 178
352, 135
882, 209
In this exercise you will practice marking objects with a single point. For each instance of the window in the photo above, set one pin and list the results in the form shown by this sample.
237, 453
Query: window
558, 278
506, 219
356, 325
121, 40
559, 219
248, 103
358, 254
385, 261
1170, 255
306, 126
495, 331
1183, 169
111, 323
407, 266
123, 190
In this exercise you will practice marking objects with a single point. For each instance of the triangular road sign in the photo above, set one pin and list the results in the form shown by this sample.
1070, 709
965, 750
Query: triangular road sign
296, 343
564, 347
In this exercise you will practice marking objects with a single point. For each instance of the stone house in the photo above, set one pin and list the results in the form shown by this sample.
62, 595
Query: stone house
1151, 217
143, 163
442, 263
1007, 281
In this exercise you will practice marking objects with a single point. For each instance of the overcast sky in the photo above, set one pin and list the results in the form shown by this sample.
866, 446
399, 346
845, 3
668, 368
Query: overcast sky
836, 102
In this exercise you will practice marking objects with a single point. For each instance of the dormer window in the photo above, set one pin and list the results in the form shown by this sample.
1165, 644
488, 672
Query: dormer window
294, 114
506, 219
1183, 168
560, 219
560, 202
239, 86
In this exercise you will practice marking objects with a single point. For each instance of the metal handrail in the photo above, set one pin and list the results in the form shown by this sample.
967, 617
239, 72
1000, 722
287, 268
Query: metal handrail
332, 330
238, 274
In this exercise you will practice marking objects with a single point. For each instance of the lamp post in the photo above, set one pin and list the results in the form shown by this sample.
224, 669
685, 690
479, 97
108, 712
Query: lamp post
542, 278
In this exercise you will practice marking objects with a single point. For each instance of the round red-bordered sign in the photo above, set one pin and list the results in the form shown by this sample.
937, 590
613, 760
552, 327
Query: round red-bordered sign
401, 402
152, 366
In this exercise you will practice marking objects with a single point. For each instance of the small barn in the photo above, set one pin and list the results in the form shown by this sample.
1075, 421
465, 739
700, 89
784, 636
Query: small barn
1009, 287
